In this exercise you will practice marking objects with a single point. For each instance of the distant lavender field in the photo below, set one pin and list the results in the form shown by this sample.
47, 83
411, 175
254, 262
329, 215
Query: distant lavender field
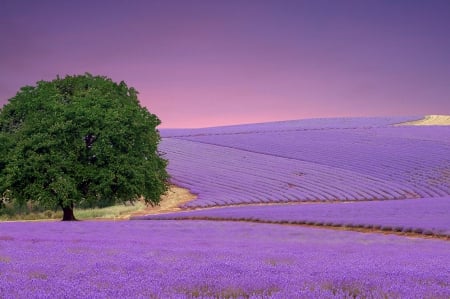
302, 124
427, 216
201, 259
310, 160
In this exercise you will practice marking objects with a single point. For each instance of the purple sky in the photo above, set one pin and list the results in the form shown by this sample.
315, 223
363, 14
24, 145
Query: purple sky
207, 63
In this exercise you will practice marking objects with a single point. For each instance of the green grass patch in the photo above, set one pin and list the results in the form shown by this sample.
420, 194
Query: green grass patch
10, 213
109, 212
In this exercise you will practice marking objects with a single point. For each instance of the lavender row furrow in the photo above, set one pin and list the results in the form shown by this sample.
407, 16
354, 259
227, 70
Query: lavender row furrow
420, 163
266, 163
378, 170
231, 176
203, 259
425, 215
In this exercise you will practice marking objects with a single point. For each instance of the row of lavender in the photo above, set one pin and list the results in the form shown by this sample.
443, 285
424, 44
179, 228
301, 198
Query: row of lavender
224, 176
428, 216
409, 161
197, 259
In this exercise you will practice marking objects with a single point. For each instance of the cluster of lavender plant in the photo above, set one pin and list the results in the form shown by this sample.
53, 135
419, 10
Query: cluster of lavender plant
199, 259
302, 124
425, 133
428, 216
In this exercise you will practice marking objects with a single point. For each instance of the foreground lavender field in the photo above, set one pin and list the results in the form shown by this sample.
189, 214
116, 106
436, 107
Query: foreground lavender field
200, 259
428, 216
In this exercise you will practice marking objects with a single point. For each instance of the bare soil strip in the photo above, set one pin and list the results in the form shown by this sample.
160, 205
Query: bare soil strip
429, 120
170, 202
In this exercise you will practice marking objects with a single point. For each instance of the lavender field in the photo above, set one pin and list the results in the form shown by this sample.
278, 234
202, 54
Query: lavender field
203, 259
276, 192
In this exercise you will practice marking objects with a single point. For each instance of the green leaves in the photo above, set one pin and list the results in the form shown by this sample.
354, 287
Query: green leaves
83, 140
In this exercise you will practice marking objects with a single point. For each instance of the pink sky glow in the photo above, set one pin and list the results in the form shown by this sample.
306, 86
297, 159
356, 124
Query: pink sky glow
206, 63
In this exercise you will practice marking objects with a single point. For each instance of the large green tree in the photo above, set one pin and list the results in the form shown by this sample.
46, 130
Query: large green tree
79, 141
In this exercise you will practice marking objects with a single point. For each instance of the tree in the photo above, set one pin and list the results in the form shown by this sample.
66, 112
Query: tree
80, 140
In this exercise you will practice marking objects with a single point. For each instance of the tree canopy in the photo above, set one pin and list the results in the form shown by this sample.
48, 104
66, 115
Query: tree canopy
79, 140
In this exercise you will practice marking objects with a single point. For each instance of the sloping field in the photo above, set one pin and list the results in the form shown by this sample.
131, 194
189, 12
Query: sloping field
224, 176
345, 159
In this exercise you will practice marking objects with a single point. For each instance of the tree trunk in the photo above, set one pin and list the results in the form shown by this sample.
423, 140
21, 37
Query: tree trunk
68, 213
